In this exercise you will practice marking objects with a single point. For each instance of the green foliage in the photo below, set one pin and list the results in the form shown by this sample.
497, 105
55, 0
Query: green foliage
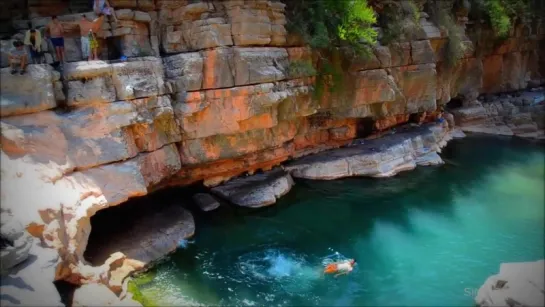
454, 49
327, 25
355, 27
503, 14
500, 21
399, 21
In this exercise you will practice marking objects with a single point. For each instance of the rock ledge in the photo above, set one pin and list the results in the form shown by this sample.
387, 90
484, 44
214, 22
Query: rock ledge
517, 284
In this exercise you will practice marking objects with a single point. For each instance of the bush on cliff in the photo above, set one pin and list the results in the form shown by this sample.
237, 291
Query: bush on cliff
454, 49
326, 25
502, 15
399, 20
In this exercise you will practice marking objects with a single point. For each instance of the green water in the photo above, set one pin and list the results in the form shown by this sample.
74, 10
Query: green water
426, 237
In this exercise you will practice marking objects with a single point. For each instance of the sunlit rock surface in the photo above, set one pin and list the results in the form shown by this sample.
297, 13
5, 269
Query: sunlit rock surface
516, 284
208, 93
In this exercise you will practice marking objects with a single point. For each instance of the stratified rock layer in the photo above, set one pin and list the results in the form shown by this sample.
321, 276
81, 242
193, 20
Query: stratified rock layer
224, 101
520, 114
517, 284
258, 190
383, 157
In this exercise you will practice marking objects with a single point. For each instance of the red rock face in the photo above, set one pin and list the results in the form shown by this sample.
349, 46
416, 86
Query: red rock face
228, 98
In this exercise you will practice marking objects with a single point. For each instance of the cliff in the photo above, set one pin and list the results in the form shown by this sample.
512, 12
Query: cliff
209, 93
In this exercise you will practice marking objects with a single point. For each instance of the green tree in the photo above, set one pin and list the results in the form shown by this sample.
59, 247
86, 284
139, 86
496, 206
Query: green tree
326, 25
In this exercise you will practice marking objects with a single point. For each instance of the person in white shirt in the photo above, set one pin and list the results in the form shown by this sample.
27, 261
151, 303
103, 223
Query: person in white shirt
340, 268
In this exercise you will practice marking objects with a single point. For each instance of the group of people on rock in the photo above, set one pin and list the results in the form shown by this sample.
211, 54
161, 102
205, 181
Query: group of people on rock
32, 42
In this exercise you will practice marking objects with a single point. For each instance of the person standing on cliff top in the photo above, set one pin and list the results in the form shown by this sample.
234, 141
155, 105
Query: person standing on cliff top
56, 36
33, 39
89, 43
103, 7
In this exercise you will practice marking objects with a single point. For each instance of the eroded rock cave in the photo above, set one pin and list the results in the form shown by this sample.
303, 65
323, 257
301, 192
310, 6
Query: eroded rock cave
143, 228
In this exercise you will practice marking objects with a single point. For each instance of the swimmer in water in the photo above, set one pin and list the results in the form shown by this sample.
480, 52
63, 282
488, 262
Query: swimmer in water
340, 268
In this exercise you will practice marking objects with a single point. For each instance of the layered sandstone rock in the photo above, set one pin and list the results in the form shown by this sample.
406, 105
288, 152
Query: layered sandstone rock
383, 157
115, 143
520, 113
258, 190
226, 100
517, 284
201, 25
19, 94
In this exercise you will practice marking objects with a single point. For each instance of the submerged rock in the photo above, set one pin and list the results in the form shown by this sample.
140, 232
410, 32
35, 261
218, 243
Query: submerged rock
381, 157
206, 201
517, 284
258, 190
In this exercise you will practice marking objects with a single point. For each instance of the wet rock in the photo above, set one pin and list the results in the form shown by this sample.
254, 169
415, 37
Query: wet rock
206, 201
383, 157
19, 94
517, 284
257, 190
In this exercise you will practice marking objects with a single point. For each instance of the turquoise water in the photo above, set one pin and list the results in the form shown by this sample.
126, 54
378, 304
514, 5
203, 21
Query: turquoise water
426, 237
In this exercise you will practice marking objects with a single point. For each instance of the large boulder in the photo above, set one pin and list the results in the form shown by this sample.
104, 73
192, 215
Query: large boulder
257, 190
206, 201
